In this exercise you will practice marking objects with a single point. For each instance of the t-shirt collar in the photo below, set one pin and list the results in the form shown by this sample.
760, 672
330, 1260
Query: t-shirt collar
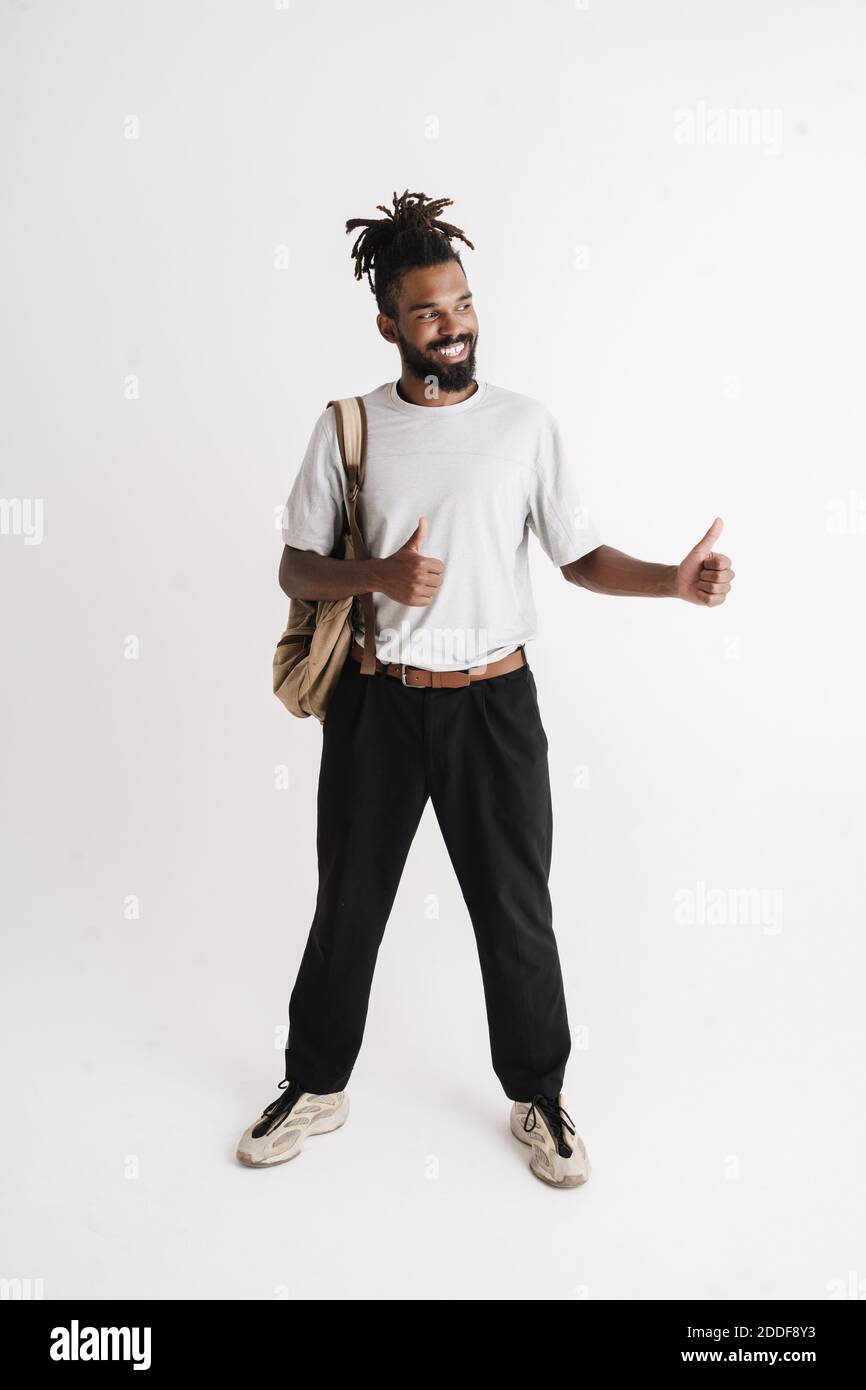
409, 407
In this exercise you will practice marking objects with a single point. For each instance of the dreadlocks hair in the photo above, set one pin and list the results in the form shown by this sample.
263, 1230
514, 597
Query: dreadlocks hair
408, 236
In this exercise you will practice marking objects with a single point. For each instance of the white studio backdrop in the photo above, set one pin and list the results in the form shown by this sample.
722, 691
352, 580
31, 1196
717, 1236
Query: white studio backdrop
668, 209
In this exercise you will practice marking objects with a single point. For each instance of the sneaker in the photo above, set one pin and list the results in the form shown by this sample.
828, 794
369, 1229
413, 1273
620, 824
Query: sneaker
280, 1131
558, 1153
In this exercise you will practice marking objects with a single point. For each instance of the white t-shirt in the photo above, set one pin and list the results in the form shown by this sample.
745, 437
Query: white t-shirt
484, 472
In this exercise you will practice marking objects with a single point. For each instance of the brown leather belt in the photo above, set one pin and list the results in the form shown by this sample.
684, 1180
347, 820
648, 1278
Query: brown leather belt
449, 680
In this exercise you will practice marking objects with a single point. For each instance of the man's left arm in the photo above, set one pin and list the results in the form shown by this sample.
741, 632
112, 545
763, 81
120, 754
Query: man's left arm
704, 576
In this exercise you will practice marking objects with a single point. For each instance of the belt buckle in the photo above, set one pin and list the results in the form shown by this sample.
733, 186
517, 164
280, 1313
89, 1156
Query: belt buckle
403, 673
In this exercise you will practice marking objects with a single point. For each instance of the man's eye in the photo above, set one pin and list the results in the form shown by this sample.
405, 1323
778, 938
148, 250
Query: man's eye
430, 313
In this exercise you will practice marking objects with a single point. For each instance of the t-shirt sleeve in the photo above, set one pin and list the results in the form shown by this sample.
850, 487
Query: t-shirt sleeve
313, 517
557, 514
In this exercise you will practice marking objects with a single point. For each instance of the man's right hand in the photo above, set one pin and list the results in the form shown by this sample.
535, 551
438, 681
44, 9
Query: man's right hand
407, 576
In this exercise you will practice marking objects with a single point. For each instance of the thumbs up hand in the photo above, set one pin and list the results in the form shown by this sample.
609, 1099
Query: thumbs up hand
409, 577
418, 536
705, 575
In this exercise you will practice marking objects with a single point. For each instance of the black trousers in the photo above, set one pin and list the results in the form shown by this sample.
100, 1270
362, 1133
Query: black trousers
480, 753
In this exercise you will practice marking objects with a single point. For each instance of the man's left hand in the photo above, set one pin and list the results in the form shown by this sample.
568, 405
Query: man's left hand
705, 575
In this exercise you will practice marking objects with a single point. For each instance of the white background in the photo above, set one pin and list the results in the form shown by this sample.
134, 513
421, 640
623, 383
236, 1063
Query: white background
693, 315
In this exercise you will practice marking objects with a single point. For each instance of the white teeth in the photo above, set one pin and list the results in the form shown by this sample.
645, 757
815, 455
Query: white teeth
454, 351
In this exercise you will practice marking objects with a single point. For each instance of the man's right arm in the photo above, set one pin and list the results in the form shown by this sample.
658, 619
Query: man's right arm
305, 574
407, 576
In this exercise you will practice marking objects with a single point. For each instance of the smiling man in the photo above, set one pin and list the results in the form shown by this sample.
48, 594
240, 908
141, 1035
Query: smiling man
458, 472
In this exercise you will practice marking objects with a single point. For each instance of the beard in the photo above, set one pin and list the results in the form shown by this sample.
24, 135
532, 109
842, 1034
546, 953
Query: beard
427, 364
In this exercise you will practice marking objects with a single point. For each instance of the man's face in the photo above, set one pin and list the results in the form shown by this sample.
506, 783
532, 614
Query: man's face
434, 312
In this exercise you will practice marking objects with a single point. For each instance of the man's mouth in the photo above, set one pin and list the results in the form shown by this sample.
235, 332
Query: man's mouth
453, 352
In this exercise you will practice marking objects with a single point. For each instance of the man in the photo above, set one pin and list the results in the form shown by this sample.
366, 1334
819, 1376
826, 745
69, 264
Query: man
458, 472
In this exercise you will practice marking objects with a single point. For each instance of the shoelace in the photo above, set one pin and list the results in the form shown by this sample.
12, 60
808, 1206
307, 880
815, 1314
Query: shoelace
556, 1117
275, 1112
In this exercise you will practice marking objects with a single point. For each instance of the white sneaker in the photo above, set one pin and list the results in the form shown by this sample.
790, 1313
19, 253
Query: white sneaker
558, 1153
280, 1131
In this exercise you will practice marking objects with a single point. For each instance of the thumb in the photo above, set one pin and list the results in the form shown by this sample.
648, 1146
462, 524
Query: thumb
705, 544
416, 540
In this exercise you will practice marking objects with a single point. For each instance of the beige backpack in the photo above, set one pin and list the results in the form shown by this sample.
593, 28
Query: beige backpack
318, 636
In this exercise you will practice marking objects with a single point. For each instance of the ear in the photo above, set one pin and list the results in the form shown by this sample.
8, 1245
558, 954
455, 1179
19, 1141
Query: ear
387, 329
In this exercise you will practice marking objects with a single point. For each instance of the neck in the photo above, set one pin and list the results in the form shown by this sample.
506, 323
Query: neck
413, 391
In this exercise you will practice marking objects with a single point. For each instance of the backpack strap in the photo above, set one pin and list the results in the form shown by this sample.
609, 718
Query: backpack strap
351, 420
